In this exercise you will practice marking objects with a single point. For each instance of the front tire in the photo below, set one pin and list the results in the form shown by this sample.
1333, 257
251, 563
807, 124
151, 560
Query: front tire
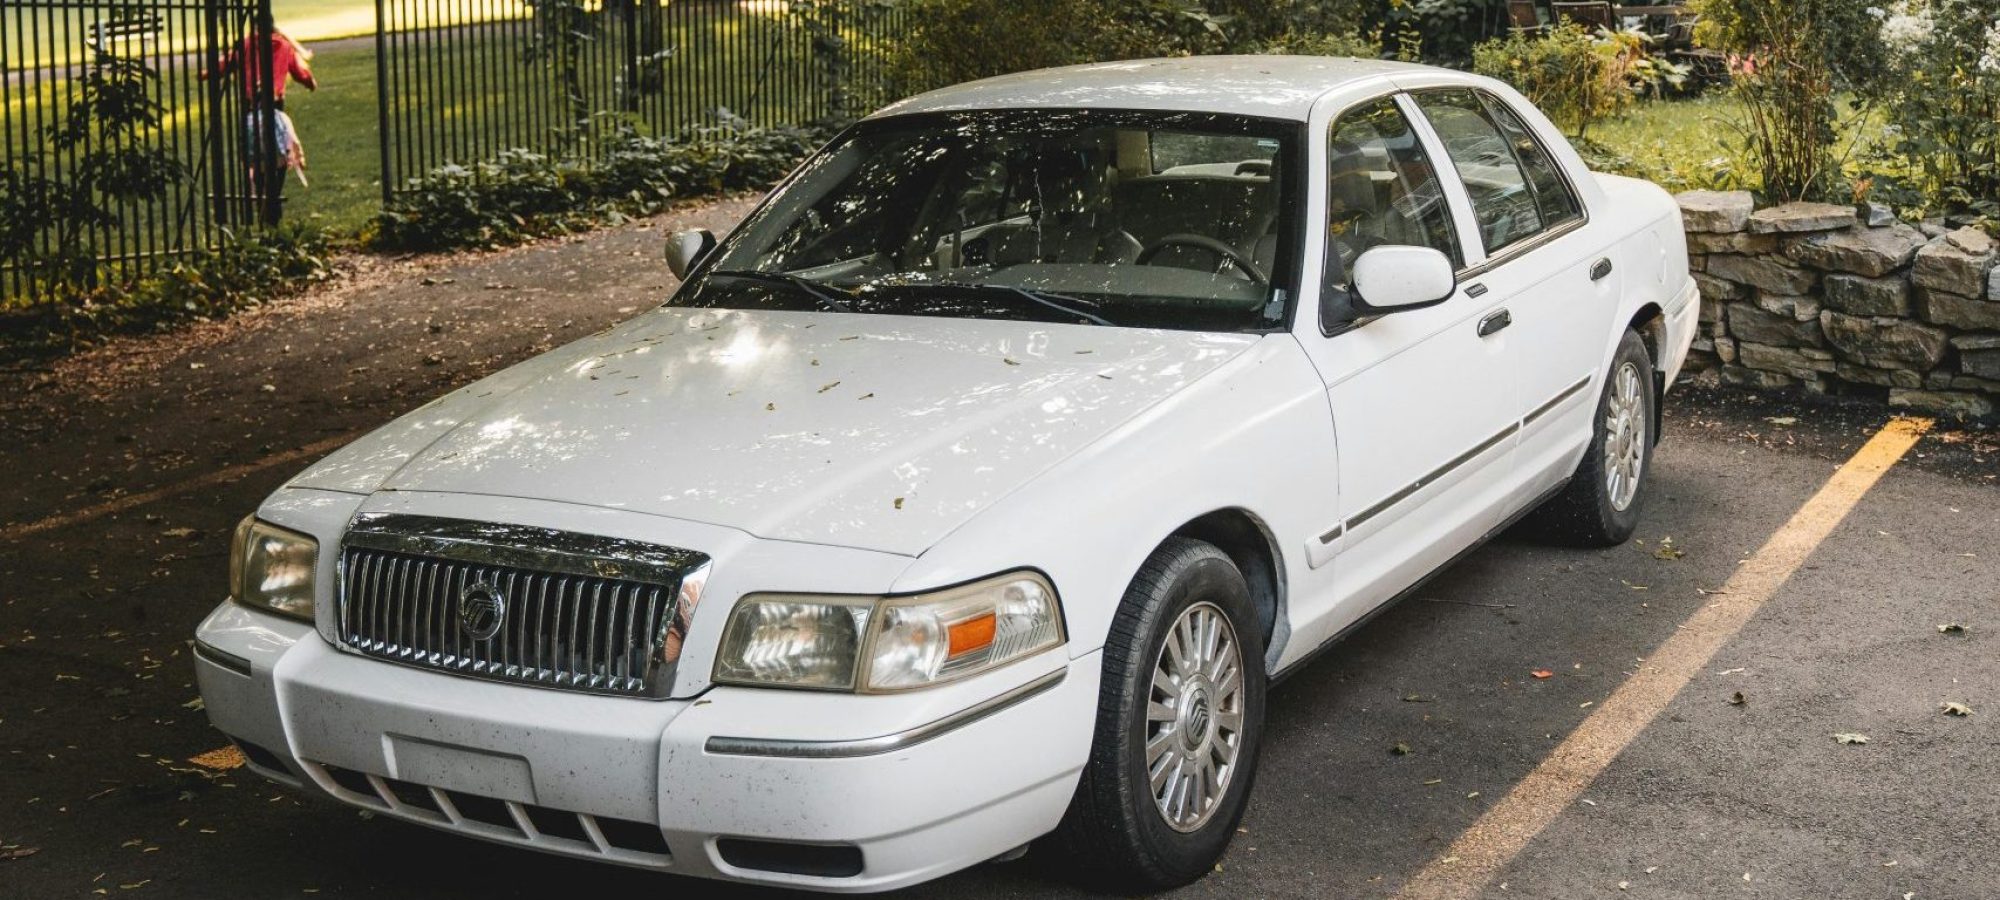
1600, 507
1179, 727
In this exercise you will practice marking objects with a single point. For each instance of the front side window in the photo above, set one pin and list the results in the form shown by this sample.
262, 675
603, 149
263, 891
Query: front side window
1106, 217
1516, 190
1382, 189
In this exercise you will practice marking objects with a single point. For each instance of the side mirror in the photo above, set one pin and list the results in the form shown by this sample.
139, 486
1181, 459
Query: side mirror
1394, 279
686, 248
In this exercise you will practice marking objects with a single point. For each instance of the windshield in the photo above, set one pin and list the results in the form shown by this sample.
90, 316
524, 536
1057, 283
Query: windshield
1101, 217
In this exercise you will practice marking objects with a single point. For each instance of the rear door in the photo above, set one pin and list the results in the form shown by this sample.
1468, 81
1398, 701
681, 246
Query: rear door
1552, 272
1424, 405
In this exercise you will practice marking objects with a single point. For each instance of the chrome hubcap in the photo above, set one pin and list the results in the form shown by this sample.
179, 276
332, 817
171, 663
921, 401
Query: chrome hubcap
1624, 437
1194, 717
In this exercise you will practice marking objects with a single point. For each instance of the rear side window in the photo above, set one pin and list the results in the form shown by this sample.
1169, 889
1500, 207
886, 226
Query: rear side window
1516, 190
1382, 188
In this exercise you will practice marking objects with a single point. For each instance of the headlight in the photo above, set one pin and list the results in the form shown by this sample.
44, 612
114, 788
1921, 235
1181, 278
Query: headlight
271, 568
888, 643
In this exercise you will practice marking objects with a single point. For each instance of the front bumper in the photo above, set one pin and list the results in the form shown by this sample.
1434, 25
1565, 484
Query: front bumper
737, 783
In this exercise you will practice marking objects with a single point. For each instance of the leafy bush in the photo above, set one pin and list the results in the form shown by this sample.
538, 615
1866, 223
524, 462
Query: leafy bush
522, 194
1789, 61
1437, 31
247, 269
1945, 100
1354, 44
1575, 76
952, 41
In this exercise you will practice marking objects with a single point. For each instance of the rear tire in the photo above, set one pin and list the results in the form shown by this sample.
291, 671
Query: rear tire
1178, 729
1601, 505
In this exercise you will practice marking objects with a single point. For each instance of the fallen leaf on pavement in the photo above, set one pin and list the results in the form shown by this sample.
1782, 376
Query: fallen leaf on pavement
1956, 709
19, 852
1951, 628
1401, 749
220, 759
1851, 738
1668, 550
1543, 673
1737, 699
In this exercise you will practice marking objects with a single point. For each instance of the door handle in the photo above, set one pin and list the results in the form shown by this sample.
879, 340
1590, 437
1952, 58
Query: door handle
1600, 269
1495, 321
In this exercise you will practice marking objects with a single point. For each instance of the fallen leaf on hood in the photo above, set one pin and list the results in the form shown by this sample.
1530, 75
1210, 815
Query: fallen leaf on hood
899, 503
1010, 360
1851, 738
829, 386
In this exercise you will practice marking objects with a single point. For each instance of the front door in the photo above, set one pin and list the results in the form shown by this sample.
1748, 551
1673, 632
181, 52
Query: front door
1423, 402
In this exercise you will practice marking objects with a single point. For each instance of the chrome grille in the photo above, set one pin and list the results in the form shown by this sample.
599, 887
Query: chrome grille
568, 611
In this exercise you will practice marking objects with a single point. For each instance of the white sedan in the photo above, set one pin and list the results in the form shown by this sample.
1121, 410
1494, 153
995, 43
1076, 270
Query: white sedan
971, 493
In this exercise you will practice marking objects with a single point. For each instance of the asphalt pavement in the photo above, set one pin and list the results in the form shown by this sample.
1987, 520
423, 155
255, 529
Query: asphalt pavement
126, 468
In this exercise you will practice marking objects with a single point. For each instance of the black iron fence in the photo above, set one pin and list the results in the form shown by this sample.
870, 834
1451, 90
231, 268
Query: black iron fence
463, 81
132, 132
135, 132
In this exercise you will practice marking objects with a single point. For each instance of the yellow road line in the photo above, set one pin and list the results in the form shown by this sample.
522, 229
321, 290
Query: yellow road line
219, 476
1471, 861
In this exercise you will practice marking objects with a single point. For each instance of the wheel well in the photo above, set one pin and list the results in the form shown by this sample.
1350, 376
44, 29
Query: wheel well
1651, 324
1249, 544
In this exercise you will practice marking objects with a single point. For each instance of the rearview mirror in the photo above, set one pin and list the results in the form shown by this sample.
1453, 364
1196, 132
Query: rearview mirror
1396, 278
686, 248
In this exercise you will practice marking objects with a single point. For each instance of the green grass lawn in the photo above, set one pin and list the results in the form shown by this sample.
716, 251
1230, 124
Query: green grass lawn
1697, 143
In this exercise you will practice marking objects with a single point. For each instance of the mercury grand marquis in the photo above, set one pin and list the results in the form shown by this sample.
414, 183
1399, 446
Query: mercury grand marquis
968, 496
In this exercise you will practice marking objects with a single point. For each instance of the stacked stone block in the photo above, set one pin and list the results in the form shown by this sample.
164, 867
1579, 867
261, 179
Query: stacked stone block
1834, 300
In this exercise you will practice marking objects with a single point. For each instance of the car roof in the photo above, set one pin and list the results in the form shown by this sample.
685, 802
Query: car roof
1281, 87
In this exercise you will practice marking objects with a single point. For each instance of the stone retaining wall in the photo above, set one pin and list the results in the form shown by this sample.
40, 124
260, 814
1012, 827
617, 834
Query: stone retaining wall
1836, 300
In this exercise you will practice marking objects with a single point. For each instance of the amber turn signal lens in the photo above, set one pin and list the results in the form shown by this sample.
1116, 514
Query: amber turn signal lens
969, 635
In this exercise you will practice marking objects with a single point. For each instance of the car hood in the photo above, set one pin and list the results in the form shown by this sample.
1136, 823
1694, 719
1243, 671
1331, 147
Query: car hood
876, 432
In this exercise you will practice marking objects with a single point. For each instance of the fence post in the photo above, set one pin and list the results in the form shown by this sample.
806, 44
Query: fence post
216, 114
270, 176
382, 95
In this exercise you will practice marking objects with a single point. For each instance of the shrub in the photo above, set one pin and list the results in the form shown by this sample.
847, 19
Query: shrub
1575, 76
1438, 31
1789, 60
522, 194
1353, 44
951, 41
1945, 100
245, 270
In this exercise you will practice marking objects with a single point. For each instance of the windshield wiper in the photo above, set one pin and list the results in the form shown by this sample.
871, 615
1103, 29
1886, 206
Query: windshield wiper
796, 282
1062, 303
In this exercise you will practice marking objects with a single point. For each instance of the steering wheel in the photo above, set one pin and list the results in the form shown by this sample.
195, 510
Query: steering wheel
1229, 253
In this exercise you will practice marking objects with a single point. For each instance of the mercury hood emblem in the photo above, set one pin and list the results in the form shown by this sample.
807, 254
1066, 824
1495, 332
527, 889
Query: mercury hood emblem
481, 610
